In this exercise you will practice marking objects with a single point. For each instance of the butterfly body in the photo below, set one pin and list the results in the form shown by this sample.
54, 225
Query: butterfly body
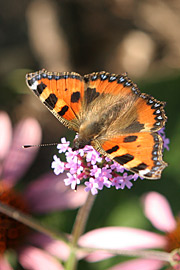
108, 112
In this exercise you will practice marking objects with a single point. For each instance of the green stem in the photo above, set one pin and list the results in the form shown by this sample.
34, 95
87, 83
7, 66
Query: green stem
147, 254
81, 219
78, 229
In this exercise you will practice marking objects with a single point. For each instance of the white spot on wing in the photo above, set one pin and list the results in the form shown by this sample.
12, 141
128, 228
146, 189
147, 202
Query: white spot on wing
143, 172
34, 86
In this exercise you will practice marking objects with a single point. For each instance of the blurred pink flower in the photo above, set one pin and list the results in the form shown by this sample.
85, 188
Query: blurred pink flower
43, 195
158, 211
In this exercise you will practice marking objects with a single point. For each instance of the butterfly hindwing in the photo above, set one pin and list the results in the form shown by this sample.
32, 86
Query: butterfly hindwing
139, 152
61, 93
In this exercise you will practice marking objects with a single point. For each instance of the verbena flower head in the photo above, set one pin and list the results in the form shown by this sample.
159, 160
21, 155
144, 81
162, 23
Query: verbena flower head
93, 169
88, 166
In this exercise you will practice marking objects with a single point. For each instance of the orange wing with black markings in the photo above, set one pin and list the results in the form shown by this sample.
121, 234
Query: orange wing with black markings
139, 152
62, 93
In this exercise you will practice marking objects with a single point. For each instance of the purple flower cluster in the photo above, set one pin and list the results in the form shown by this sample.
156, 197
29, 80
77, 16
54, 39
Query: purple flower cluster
88, 166
166, 141
96, 171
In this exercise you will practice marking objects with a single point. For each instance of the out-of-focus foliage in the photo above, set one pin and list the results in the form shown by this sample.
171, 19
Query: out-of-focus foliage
139, 37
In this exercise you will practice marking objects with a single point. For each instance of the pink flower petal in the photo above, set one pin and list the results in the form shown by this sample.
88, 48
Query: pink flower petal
19, 159
56, 248
4, 265
34, 259
139, 264
119, 238
5, 134
49, 193
158, 211
98, 256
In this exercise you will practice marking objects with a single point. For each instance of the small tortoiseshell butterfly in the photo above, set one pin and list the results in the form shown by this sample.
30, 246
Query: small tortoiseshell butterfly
109, 112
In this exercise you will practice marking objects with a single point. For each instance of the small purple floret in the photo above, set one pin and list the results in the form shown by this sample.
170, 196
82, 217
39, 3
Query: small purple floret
57, 165
166, 141
63, 146
92, 186
72, 180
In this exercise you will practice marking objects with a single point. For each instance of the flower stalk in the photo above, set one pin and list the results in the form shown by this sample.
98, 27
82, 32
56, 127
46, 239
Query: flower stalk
146, 254
78, 229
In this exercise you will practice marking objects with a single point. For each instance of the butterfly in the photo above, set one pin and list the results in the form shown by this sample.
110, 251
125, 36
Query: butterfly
109, 112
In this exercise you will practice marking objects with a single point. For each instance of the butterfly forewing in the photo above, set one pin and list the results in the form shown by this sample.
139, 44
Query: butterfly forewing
61, 93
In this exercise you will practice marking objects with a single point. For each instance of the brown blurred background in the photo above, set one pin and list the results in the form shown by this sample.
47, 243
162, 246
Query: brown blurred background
141, 37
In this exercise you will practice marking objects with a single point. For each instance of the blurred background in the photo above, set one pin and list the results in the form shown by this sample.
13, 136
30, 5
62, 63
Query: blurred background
138, 37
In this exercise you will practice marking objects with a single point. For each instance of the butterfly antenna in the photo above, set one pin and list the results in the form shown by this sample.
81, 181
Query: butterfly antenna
39, 145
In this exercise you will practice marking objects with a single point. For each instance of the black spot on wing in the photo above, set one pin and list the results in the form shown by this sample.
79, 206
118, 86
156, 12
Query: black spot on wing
51, 101
90, 94
149, 174
134, 127
113, 149
75, 97
63, 110
124, 158
141, 166
40, 88
130, 139
30, 81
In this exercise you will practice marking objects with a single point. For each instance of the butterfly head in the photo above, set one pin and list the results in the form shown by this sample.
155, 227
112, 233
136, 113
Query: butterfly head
80, 143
